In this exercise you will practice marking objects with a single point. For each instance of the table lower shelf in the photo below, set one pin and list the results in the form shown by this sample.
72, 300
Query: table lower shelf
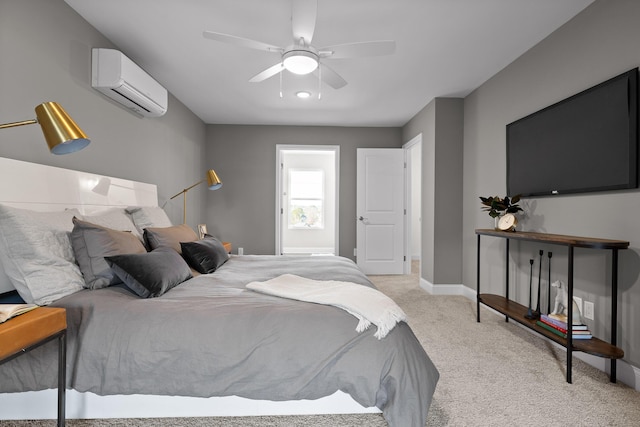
517, 312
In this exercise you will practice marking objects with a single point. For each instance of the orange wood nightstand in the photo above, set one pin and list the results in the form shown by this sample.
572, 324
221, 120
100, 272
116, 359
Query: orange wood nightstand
32, 329
228, 246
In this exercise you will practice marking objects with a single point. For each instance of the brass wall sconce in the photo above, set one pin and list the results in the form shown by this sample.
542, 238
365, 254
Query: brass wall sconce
62, 134
213, 183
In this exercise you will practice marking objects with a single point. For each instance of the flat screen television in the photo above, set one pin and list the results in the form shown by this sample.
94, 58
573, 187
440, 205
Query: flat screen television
585, 143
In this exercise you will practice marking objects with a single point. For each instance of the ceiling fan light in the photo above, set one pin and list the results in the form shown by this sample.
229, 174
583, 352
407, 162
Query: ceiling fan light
300, 61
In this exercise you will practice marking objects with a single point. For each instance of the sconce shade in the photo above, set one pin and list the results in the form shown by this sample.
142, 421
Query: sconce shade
62, 134
213, 181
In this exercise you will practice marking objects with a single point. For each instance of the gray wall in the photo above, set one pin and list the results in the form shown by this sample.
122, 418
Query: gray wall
440, 123
46, 56
596, 45
243, 211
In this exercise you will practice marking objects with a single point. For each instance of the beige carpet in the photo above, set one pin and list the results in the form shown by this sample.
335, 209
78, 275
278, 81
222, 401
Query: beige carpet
492, 374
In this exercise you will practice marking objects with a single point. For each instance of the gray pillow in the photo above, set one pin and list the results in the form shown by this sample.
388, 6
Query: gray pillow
91, 243
148, 216
36, 253
206, 255
169, 237
151, 274
115, 219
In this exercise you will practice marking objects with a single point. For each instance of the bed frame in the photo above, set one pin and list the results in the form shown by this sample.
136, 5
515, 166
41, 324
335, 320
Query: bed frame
46, 188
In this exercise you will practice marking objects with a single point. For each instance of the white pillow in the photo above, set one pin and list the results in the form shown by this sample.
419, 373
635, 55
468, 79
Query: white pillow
36, 253
148, 216
115, 219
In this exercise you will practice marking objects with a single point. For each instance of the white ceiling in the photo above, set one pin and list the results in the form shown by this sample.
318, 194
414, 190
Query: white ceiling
444, 48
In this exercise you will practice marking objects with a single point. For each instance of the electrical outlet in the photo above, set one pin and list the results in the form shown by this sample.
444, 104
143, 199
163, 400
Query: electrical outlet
588, 310
240, 251
578, 301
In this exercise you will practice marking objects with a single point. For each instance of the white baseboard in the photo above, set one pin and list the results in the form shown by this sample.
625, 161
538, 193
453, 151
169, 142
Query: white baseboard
307, 251
451, 289
42, 405
626, 373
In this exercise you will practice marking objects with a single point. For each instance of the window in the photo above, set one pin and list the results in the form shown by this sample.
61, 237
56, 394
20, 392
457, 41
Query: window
306, 198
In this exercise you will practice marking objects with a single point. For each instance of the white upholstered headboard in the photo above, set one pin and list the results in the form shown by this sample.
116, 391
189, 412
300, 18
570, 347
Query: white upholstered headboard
46, 188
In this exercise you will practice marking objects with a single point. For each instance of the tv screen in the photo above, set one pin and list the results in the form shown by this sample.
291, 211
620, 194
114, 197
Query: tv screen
585, 143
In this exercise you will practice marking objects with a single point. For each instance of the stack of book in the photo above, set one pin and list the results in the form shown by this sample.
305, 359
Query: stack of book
557, 323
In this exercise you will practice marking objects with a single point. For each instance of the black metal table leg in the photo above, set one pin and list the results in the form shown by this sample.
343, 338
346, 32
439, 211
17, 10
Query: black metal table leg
62, 375
570, 312
506, 263
478, 279
614, 311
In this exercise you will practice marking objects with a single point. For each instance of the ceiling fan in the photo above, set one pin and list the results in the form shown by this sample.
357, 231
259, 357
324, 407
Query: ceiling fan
301, 57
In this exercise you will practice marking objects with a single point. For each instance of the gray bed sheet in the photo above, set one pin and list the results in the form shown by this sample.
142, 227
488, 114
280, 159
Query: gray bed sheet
210, 336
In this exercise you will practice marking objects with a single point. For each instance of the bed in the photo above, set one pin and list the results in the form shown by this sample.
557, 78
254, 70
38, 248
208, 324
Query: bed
210, 346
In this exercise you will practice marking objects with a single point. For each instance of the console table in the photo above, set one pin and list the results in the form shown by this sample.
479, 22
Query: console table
27, 331
515, 311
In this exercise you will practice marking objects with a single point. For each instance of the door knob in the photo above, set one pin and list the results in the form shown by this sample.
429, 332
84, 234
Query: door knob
361, 218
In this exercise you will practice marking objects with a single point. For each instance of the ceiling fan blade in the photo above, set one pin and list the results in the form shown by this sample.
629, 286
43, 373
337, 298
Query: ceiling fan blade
269, 72
359, 50
330, 77
241, 41
303, 20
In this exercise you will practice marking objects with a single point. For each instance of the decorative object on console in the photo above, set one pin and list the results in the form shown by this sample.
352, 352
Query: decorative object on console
549, 254
202, 230
529, 314
498, 208
62, 134
213, 182
561, 306
507, 222
536, 313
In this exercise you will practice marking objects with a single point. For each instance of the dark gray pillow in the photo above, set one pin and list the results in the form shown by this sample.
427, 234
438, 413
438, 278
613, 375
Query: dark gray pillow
91, 243
205, 255
151, 274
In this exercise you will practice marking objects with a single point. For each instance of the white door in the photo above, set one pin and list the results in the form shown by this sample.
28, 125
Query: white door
380, 210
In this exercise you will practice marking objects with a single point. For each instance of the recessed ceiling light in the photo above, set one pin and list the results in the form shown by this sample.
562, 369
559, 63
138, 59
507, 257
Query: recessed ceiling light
303, 94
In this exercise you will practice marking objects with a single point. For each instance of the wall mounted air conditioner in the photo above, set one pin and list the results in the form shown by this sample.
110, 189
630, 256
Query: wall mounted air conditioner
118, 77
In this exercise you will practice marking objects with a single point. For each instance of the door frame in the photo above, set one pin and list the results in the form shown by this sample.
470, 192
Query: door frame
417, 140
280, 149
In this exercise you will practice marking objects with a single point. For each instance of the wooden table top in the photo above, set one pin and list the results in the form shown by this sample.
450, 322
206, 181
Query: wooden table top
30, 328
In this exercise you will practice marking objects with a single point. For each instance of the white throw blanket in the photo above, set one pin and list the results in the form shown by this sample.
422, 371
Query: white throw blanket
368, 305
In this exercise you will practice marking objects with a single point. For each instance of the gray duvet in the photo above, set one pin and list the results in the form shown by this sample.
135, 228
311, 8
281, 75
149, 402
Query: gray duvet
210, 336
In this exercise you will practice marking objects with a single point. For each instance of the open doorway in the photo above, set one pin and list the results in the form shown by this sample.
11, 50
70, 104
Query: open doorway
307, 199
